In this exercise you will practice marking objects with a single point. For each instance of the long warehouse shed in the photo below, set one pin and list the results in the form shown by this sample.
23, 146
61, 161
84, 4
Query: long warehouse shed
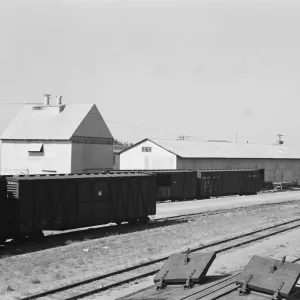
281, 163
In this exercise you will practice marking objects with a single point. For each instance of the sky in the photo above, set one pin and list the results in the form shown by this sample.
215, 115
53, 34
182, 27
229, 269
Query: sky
207, 69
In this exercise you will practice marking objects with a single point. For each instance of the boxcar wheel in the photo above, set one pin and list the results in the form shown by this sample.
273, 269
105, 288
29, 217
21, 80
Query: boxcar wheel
144, 221
132, 222
119, 223
20, 239
36, 236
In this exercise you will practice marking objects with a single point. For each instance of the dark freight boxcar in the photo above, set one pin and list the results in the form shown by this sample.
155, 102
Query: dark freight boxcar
50, 202
228, 182
172, 184
180, 185
250, 182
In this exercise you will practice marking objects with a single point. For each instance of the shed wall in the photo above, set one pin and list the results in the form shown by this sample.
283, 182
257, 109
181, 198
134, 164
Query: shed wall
93, 157
135, 158
275, 169
15, 157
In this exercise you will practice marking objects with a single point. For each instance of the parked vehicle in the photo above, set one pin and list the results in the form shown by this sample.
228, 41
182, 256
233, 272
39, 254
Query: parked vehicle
199, 184
30, 204
61, 202
228, 182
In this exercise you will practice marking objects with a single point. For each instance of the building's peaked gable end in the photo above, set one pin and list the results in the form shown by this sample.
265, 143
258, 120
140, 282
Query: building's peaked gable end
93, 128
147, 155
144, 141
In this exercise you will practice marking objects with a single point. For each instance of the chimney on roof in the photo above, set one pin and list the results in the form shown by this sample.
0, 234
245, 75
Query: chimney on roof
280, 142
47, 99
59, 100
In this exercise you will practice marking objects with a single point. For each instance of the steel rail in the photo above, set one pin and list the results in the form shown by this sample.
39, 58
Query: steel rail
146, 274
227, 283
216, 294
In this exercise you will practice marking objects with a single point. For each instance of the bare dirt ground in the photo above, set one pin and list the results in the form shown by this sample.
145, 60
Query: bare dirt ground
234, 260
179, 208
35, 272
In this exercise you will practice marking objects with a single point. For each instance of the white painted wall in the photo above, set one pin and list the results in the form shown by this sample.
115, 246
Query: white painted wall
92, 157
158, 158
15, 158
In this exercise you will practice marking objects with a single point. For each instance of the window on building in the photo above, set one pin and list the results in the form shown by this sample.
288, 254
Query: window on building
36, 150
146, 149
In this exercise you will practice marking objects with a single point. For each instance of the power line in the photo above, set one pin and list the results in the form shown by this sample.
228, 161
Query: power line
142, 127
24, 103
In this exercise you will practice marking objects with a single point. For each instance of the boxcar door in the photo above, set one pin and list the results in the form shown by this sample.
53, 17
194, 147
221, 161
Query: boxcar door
232, 182
177, 185
93, 202
68, 192
102, 204
190, 185
253, 185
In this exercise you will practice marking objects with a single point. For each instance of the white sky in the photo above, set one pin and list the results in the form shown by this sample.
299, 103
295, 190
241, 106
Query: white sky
159, 68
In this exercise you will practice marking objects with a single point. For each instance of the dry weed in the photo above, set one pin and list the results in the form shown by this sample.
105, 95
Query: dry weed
9, 288
35, 281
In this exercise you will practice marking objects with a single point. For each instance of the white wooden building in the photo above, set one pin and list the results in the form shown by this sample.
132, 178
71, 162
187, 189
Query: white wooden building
281, 163
56, 138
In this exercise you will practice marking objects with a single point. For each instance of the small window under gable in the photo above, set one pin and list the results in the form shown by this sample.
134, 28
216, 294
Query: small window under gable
36, 149
146, 149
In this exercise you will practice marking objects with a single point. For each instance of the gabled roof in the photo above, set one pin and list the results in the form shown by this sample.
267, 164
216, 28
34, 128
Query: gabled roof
46, 122
199, 149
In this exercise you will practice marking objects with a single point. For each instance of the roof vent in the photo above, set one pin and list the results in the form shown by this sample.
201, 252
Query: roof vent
280, 141
47, 99
59, 100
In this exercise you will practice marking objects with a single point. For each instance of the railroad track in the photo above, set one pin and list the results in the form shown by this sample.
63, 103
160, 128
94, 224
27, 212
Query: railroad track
216, 290
102, 283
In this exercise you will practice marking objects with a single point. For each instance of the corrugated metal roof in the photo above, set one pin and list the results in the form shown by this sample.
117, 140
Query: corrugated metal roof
198, 149
46, 123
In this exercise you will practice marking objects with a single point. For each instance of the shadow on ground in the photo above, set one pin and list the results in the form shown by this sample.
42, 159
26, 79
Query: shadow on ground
62, 239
